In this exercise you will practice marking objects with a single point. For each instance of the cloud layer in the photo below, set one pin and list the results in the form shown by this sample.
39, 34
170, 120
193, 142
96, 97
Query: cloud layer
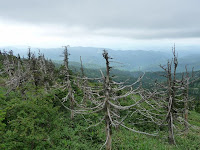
128, 19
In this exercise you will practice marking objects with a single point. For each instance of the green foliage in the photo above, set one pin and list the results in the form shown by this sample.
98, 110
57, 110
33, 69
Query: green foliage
2, 124
2, 127
30, 123
38, 122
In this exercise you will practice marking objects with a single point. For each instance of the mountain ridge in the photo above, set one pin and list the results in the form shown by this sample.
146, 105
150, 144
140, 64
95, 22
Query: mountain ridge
131, 60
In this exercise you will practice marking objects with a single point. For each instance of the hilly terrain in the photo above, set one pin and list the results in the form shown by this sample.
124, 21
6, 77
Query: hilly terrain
127, 60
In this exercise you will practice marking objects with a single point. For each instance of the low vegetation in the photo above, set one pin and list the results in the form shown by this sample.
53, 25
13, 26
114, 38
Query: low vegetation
47, 107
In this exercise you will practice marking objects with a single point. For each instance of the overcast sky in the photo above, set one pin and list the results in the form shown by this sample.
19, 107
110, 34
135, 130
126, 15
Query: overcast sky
117, 24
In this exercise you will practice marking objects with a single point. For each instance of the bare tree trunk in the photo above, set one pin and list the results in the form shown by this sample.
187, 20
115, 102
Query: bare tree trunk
186, 106
186, 117
108, 129
71, 102
171, 98
82, 70
107, 105
171, 130
71, 96
107, 119
172, 93
70, 90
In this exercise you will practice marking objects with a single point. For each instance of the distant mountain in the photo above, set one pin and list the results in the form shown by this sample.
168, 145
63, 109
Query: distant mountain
131, 60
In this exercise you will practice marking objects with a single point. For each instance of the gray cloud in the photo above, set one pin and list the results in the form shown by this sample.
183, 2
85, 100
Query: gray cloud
139, 19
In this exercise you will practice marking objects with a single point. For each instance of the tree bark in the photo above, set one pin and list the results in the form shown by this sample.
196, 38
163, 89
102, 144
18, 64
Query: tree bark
107, 105
171, 130
186, 109
108, 130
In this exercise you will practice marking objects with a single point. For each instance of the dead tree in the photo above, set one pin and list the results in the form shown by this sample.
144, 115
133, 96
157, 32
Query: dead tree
29, 53
16, 71
68, 84
105, 99
9, 64
170, 95
82, 70
46, 69
186, 98
83, 84
173, 94
22, 71
187, 79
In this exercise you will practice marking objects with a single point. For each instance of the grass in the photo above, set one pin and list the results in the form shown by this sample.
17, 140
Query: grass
126, 140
